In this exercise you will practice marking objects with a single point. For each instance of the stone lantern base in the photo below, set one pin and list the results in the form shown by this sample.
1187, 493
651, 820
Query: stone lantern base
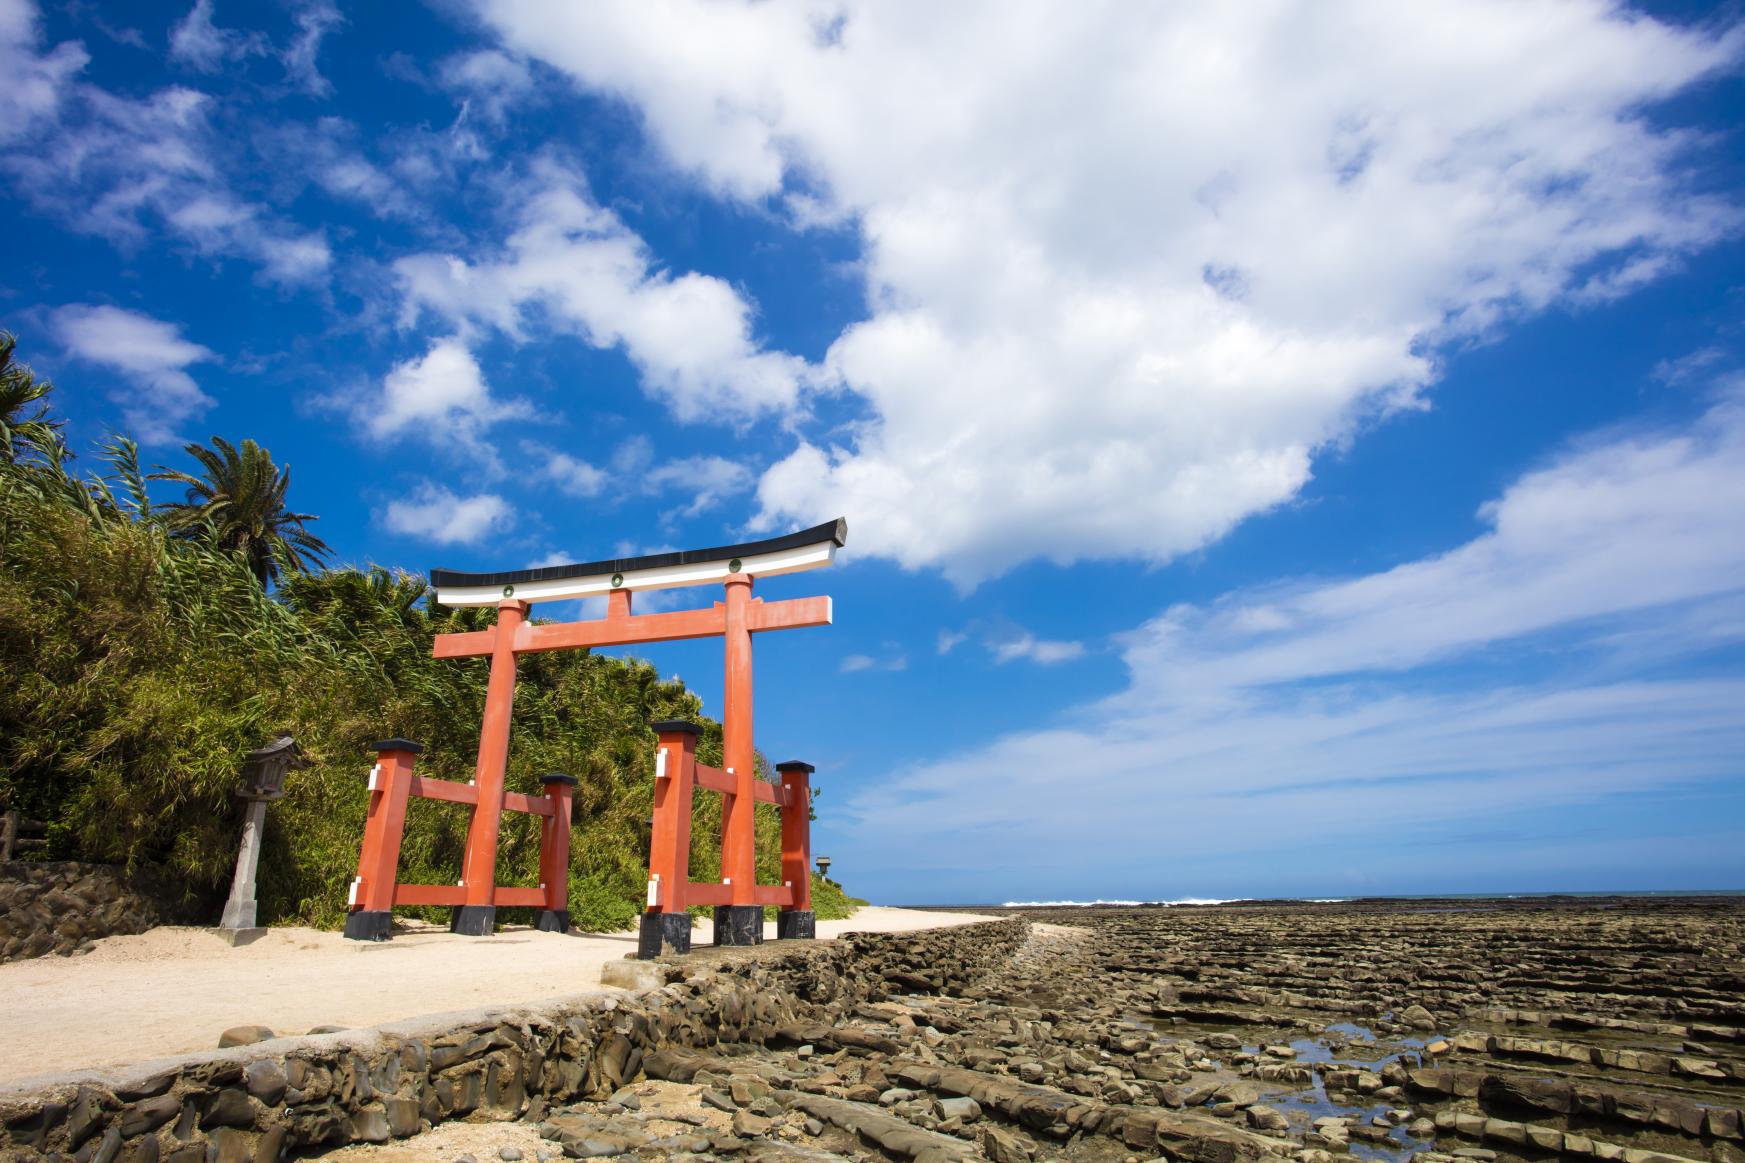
235, 937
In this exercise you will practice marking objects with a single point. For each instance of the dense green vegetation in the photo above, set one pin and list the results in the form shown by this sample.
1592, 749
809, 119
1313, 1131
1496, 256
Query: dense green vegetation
143, 652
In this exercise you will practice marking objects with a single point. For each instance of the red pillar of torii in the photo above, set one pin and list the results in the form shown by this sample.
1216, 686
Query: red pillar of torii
739, 900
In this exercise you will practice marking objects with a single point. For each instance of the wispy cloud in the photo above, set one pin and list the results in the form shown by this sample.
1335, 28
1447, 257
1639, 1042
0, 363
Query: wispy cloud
1006, 641
132, 169
891, 659
38, 81
633, 471
331, 158
1688, 367
489, 83
1026, 645
708, 480
125, 169
315, 19
197, 42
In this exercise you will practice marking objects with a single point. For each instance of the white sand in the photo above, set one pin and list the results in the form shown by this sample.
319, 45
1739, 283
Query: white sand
175, 990
483, 1134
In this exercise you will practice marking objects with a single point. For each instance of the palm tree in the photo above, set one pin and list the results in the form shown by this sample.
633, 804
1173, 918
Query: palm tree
22, 434
239, 505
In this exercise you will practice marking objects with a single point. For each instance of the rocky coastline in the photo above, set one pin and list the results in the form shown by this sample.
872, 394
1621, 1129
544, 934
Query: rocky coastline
1604, 1028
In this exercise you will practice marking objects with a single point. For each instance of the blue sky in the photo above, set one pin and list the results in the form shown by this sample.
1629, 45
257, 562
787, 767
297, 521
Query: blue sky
1288, 450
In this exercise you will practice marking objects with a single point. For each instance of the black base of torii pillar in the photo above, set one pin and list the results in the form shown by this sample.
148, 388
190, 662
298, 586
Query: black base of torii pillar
797, 925
738, 925
663, 932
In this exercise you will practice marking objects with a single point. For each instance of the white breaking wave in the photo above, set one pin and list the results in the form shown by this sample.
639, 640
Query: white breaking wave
1186, 900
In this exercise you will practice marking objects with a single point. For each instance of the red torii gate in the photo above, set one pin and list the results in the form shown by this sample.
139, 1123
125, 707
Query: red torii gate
738, 899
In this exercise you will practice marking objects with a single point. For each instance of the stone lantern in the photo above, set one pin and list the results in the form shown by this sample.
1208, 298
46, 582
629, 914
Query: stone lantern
824, 867
263, 780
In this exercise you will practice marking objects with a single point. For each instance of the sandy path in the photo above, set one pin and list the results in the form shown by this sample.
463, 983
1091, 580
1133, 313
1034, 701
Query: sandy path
174, 990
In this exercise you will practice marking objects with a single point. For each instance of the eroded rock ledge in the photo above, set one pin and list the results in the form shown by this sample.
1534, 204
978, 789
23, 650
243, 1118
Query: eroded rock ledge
267, 1100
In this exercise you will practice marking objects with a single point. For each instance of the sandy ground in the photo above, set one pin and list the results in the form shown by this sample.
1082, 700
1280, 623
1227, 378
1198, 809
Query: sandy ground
449, 1141
175, 990
484, 1139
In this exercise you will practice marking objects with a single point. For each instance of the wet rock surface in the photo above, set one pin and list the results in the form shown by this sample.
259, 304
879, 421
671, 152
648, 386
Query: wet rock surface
1607, 1029
1597, 1028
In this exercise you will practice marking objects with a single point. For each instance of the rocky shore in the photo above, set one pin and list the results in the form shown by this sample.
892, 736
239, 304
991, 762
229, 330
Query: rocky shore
1607, 1029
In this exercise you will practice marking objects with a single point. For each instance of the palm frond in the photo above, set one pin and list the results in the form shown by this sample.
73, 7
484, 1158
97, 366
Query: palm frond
237, 503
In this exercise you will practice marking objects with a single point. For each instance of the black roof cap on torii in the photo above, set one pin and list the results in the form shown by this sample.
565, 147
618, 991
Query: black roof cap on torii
836, 531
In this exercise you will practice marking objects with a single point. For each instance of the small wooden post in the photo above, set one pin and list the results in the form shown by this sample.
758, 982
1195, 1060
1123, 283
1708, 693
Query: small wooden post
796, 920
372, 894
554, 855
665, 923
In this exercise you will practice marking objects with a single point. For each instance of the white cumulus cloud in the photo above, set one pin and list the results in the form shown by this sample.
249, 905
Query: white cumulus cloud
150, 354
572, 475
435, 513
690, 335
1129, 269
440, 397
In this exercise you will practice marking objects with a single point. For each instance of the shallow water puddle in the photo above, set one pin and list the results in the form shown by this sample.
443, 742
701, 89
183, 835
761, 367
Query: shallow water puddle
1304, 1106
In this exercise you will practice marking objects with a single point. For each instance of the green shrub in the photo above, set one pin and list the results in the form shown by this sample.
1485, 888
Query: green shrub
830, 902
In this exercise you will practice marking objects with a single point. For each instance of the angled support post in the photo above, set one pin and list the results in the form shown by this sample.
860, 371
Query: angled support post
554, 855
477, 917
371, 900
666, 926
796, 920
